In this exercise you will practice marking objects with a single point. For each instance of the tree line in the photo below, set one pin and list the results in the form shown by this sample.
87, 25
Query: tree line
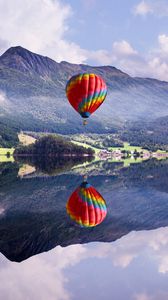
53, 146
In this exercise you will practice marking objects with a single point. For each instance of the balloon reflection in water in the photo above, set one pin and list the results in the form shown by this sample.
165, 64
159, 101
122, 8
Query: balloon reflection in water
86, 206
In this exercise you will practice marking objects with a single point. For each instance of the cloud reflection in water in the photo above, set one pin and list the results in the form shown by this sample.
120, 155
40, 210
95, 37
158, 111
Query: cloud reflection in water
54, 275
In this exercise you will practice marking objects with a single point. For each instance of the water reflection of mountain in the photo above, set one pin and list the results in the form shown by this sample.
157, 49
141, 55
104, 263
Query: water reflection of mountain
151, 173
33, 217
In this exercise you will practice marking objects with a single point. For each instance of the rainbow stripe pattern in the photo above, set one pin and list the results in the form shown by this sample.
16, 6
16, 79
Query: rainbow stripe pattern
86, 92
86, 206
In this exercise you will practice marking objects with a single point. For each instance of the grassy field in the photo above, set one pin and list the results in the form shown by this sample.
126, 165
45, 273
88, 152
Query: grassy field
4, 158
25, 139
88, 167
3, 155
160, 151
86, 146
4, 151
127, 161
127, 147
26, 169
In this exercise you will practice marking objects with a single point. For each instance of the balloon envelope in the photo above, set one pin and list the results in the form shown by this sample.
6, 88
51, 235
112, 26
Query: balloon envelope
86, 206
86, 92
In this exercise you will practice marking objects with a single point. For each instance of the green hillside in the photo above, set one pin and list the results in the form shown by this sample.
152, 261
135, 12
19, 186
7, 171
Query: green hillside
8, 136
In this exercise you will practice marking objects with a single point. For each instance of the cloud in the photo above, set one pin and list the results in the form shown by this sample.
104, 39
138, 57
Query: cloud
125, 250
142, 297
123, 56
40, 26
142, 8
99, 57
2, 211
123, 48
3, 45
145, 296
121, 51
154, 243
40, 277
158, 59
163, 43
158, 8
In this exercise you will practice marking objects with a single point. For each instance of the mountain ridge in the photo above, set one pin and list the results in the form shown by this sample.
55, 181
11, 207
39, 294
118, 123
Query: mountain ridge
26, 55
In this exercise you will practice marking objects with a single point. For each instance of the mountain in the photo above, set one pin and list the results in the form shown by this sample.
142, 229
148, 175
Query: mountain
33, 95
151, 134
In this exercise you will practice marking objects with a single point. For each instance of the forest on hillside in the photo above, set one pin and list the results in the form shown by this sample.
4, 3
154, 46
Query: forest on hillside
8, 135
51, 145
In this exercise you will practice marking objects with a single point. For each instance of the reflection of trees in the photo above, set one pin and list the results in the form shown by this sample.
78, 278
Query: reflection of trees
53, 165
8, 173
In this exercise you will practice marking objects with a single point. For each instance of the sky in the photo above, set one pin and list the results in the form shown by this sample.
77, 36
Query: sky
131, 35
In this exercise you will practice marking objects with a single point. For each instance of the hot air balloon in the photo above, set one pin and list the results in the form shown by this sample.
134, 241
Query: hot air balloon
86, 92
86, 206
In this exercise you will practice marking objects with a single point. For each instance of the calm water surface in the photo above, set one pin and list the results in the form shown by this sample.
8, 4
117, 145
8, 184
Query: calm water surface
46, 255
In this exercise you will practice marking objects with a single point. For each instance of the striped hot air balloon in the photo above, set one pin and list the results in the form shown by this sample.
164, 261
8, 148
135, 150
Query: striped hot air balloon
86, 92
86, 206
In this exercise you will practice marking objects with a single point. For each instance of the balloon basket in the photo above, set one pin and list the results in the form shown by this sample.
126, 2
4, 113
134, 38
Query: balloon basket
85, 178
85, 122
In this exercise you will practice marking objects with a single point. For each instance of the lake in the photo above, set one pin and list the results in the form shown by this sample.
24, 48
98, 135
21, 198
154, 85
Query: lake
45, 254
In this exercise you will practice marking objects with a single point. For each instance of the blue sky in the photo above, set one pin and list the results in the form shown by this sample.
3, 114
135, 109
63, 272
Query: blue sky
131, 34
105, 22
